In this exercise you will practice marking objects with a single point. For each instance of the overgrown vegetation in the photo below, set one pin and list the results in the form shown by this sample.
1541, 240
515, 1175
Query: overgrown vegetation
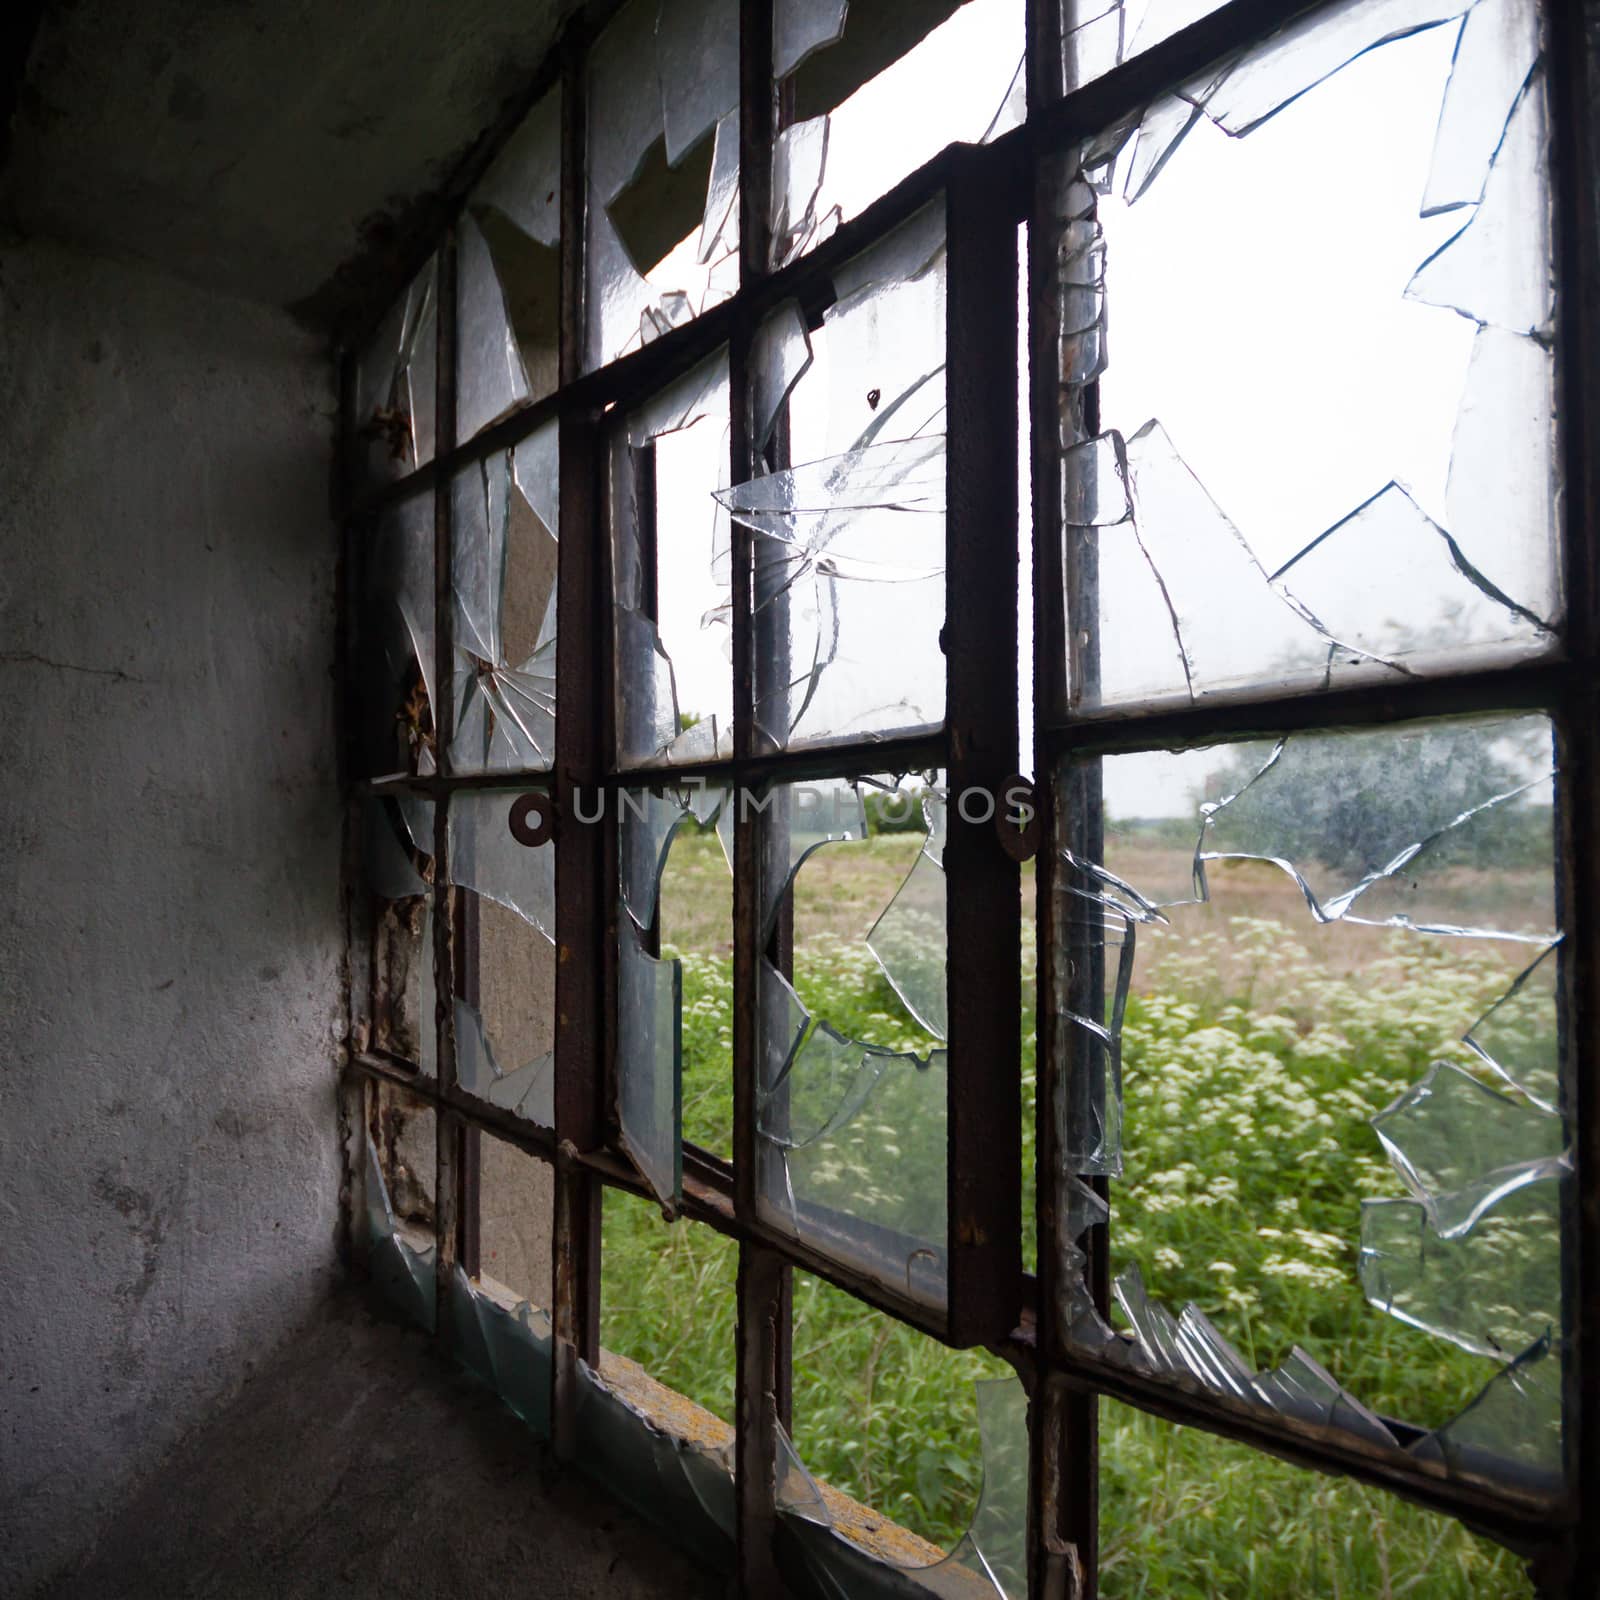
1253, 1058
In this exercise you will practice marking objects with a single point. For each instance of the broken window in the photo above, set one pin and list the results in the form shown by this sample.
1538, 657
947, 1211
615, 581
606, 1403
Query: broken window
508, 272
1284, 1131
1295, 946
663, 202
1302, 520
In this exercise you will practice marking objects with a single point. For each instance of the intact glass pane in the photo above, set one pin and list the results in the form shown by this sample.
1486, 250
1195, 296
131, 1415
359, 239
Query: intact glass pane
1311, 1038
663, 202
1362, 486
849, 523
852, 1102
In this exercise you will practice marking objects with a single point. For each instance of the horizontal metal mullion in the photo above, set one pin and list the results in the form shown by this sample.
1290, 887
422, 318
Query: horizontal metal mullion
1525, 1522
1541, 686
434, 784
918, 753
504, 1125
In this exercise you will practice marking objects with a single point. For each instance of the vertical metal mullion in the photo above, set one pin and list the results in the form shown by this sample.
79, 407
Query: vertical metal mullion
1063, 1420
984, 1036
1574, 56
580, 855
468, 937
762, 1376
449, 1133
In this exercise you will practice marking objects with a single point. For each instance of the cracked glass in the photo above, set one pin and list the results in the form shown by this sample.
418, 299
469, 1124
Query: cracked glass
852, 1104
396, 384
674, 980
662, 212
395, 649
671, 575
1312, 1042
504, 1003
878, 90
849, 523
1301, 520
503, 589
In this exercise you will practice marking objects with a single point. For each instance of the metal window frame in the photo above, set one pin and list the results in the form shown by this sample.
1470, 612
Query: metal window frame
988, 191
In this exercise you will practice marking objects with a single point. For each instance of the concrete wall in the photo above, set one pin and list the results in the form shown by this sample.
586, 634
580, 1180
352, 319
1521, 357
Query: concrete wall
170, 933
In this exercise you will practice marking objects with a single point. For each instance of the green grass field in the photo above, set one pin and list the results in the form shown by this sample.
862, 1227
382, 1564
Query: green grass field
1255, 1049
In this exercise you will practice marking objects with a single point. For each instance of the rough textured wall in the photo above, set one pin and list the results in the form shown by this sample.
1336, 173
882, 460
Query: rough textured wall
170, 935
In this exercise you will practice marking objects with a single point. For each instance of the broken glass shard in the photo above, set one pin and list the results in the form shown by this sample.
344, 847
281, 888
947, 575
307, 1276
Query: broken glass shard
1388, 584
528, 1090
799, 160
486, 858
1496, 50
396, 383
1160, 133
504, 583
909, 939
800, 27
649, 1064
1327, 810
719, 228
781, 356
1515, 1421
398, 866
490, 379
1303, 54
698, 72
399, 649
1493, 1290
1462, 1147
1497, 270
401, 1270
1517, 1039
1501, 501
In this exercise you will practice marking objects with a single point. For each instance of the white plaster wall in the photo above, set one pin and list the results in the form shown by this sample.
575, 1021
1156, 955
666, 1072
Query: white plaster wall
170, 935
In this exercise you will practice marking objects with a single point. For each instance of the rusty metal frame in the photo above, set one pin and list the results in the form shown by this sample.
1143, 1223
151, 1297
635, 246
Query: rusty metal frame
987, 192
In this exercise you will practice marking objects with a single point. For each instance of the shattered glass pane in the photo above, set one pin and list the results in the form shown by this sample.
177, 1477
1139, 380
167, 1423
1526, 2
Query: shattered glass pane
396, 381
881, 98
801, 26
503, 580
399, 1181
849, 558
396, 646
674, 931
1212, 1517
1312, 1034
694, 901
1290, 519
672, 582
957, 1498
486, 858
509, 276
852, 1106
663, 171
686, 1342
404, 1026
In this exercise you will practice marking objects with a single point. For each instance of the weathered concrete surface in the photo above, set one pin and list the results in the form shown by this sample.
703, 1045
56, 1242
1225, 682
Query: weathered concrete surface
250, 147
170, 931
357, 1463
